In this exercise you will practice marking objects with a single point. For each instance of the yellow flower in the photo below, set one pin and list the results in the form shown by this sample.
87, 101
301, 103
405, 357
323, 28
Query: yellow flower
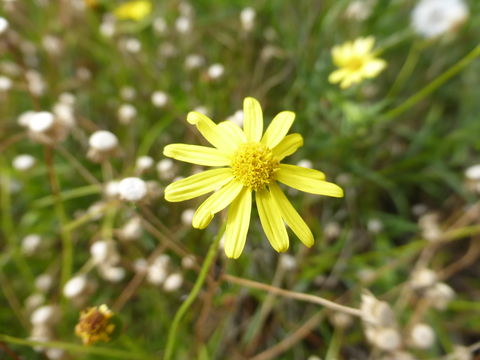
247, 162
133, 10
356, 61
95, 324
91, 3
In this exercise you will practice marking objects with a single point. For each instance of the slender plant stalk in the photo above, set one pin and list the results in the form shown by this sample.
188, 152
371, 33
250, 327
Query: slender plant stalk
67, 241
202, 276
434, 85
76, 348
293, 295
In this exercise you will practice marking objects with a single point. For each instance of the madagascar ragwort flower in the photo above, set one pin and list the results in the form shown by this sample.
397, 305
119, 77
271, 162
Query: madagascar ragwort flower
247, 162
133, 10
356, 61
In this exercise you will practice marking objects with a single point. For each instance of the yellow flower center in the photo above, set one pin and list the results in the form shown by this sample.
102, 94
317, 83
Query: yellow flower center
254, 165
355, 63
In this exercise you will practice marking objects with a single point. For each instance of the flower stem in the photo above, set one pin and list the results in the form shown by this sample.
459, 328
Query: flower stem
435, 84
172, 333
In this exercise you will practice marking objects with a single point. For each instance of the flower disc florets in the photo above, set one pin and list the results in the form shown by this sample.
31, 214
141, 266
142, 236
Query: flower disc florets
254, 165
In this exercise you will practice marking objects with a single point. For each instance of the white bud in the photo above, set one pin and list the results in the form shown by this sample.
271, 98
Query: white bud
305, 163
188, 262
341, 320
160, 26
159, 99
187, 216
132, 45
64, 114
237, 118
461, 353
387, 339
23, 162
75, 287
44, 282
3, 25
126, 113
113, 274
5, 83
34, 301
216, 71
103, 252
288, 262
183, 24
194, 61
67, 98
422, 278
374, 226
473, 173
107, 28
173, 282
422, 336
127, 93
165, 169
156, 274
358, 10
111, 189
132, 189
103, 141
144, 163
45, 315
247, 18
31, 243
41, 122
332, 230
440, 295
140, 265
24, 118
55, 354
132, 230
376, 312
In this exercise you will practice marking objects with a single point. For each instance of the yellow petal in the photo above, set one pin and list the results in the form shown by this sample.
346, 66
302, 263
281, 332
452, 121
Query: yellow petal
218, 201
291, 216
234, 132
278, 128
237, 224
211, 131
252, 119
304, 180
271, 219
287, 146
337, 76
373, 67
363, 46
198, 184
194, 154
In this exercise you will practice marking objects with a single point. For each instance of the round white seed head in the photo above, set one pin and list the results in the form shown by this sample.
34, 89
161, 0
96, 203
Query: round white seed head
159, 99
31, 243
113, 274
140, 265
126, 113
165, 169
422, 336
5, 83
23, 162
473, 173
375, 226
55, 354
34, 301
104, 252
132, 230
111, 189
440, 295
156, 274
160, 25
132, 189
24, 118
45, 315
173, 282
194, 61
75, 287
187, 216
128, 93
215, 71
132, 45
144, 163
288, 262
183, 24
103, 141
387, 339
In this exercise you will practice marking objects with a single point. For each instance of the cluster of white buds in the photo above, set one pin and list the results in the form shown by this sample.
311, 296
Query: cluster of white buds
44, 127
102, 146
126, 113
379, 323
132, 230
143, 164
472, 174
106, 257
440, 295
247, 18
422, 278
183, 24
159, 273
166, 169
215, 71
23, 162
78, 289
422, 336
236, 118
108, 26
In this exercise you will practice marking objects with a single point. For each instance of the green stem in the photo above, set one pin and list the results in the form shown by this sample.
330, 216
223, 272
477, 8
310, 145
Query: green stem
435, 84
172, 333
67, 241
101, 351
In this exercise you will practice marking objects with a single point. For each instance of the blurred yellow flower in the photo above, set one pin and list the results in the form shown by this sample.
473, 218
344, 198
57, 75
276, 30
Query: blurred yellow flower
133, 10
95, 324
247, 162
91, 3
356, 61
